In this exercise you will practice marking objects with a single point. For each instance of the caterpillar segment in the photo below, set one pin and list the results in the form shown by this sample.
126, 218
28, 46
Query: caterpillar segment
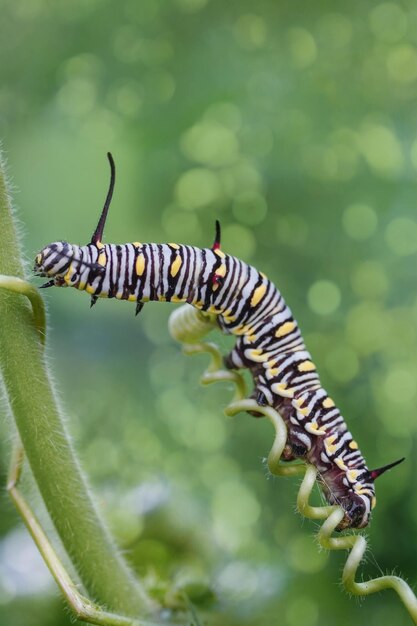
246, 304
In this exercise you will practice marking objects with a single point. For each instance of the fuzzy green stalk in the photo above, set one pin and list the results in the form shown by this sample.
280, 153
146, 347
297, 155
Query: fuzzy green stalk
35, 408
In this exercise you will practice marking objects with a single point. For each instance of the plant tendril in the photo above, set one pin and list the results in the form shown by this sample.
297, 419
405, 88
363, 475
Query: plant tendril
189, 326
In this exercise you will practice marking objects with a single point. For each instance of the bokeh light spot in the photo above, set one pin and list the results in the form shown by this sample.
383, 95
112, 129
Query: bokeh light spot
250, 208
302, 46
402, 63
360, 221
127, 98
197, 188
320, 161
210, 143
381, 149
77, 97
161, 85
250, 31
388, 22
240, 240
240, 177
401, 236
324, 297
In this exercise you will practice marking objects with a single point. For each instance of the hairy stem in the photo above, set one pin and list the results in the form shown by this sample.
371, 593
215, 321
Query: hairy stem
35, 408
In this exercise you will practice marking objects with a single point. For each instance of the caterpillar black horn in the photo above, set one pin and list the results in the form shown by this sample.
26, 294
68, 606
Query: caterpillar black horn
98, 233
374, 474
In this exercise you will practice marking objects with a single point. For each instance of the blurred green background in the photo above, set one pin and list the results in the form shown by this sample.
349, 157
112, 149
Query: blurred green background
295, 124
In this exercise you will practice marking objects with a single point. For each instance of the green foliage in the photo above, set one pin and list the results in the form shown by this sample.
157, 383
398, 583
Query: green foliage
294, 123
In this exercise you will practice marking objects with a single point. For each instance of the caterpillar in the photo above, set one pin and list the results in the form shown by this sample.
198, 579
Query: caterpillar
269, 343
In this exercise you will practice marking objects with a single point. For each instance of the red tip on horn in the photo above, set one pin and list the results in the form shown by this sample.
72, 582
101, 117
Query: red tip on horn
216, 243
377, 472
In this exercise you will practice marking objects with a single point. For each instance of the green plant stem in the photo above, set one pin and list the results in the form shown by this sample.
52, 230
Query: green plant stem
35, 408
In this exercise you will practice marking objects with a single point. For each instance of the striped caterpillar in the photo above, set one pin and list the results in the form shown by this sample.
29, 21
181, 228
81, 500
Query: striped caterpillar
269, 342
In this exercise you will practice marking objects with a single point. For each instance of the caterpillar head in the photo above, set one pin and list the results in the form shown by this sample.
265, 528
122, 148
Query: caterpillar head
359, 499
53, 261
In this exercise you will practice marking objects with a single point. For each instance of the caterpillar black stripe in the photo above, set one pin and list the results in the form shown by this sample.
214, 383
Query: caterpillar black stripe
269, 343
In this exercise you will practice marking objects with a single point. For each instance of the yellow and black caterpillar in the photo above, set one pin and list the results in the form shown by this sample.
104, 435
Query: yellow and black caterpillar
269, 343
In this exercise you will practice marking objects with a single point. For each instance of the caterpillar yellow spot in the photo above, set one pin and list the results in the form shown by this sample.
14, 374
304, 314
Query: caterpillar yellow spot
68, 275
352, 475
373, 503
212, 309
140, 265
162, 298
38, 259
362, 491
256, 355
221, 271
99, 245
313, 429
137, 244
132, 297
258, 294
329, 444
252, 338
328, 403
243, 330
89, 288
285, 329
273, 371
304, 412
174, 245
353, 445
177, 299
175, 267
102, 259
281, 390
341, 464
219, 253
306, 366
